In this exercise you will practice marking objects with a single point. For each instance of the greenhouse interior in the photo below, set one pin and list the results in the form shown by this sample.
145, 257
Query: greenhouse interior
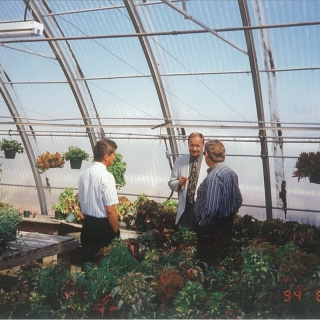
146, 74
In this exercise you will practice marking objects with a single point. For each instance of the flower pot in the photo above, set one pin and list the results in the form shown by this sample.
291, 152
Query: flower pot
128, 225
58, 215
70, 218
75, 163
9, 154
26, 214
53, 163
315, 177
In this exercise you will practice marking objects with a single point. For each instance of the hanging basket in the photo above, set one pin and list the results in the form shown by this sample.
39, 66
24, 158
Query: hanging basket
315, 177
9, 154
75, 163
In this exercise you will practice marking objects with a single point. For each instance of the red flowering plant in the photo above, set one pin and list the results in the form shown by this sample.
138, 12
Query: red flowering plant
49, 160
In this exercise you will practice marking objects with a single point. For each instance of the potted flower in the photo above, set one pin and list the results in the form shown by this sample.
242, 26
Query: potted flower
10, 148
148, 213
126, 211
168, 215
49, 160
9, 222
68, 206
308, 166
76, 156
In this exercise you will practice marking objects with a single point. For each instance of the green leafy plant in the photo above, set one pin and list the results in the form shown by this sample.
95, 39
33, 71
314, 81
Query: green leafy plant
119, 258
156, 276
186, 237
126, 210
76, 153
9, 222
11, 145
118, 169
190, 301
134, 295
68, 203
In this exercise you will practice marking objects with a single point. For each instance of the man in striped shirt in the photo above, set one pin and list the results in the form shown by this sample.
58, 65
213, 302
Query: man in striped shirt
218, 198
98, 198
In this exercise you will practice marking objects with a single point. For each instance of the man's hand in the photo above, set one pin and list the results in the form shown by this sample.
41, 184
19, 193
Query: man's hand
117, 234
182, 181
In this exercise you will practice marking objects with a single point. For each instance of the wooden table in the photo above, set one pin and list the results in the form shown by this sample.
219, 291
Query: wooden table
47, 224
36, 246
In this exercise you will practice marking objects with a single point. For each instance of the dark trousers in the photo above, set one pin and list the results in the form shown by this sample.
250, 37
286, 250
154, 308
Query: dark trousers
96, 233
188, 218
213, 239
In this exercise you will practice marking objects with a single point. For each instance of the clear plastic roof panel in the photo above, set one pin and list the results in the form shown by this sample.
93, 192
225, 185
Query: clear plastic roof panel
148, 73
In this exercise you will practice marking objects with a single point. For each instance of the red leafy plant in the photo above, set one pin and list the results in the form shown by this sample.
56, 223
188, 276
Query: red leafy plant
49, 160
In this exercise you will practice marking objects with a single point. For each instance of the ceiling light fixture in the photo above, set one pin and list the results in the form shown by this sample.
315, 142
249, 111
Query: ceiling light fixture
20, 29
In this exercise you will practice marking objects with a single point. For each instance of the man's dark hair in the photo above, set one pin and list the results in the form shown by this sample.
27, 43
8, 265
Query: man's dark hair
104, 146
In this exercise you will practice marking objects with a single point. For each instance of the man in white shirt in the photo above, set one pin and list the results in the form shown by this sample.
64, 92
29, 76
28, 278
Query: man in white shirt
98, 198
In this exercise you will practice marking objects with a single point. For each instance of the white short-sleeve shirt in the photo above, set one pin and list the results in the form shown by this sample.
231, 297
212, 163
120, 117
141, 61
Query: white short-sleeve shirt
96, 190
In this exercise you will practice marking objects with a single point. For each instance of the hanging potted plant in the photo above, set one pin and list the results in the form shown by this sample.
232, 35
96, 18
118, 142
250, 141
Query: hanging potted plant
76, 156
10, 148
49, 160
308, 166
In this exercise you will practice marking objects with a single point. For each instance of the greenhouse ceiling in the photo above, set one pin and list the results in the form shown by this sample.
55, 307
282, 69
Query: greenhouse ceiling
148, 73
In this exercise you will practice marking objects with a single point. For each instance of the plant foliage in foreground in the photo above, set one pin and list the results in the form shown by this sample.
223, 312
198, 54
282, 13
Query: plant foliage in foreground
269, 270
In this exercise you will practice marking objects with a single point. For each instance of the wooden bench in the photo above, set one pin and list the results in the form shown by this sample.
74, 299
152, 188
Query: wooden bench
30, 246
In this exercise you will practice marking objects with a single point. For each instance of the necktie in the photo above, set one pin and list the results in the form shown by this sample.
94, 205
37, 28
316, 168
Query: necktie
193, 179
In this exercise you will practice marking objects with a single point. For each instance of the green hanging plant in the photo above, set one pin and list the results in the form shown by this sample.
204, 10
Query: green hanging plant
10, 148
76, 153
11, 145
118, 169
306, 165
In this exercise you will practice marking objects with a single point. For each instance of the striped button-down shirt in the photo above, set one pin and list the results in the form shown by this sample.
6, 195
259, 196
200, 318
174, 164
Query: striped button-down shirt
97, 190
218, 195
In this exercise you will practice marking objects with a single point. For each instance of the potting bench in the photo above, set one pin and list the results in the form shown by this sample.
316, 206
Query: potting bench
31, 246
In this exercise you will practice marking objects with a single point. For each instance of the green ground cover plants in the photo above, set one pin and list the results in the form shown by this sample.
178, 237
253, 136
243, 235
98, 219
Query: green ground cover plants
269, 269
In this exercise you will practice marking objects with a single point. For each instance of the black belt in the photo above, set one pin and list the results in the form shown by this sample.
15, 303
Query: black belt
87, 217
